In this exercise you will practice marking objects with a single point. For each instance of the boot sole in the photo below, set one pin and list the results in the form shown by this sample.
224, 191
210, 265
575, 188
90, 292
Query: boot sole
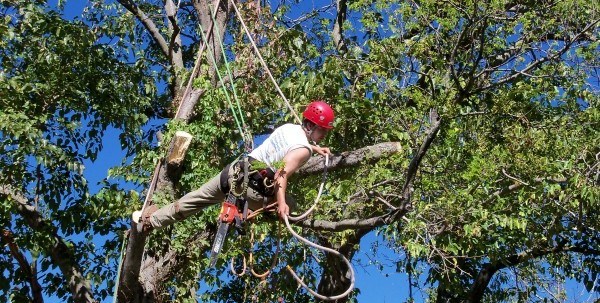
137, 216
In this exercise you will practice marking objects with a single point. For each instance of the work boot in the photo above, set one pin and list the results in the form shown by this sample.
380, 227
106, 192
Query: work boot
144, 218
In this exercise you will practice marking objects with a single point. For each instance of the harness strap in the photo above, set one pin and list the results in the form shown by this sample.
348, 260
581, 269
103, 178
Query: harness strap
260, 180
224, 179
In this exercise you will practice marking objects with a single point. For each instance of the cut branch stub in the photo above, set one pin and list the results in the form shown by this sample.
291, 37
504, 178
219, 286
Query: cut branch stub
179, 146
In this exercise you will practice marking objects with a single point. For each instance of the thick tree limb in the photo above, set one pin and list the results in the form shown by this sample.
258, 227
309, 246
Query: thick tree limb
130, 290
338, 35
351, 158
158, 270
487, 272
369, 223
411, 172
36, 288
59, 252
148, 24
204, 10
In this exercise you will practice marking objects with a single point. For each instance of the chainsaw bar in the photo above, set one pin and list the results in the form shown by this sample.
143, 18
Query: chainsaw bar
219, 241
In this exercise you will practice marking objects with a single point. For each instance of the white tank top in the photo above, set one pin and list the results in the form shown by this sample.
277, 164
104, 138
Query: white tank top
283, 140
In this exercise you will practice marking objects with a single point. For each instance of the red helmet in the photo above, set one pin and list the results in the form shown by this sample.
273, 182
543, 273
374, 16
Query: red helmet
319, 113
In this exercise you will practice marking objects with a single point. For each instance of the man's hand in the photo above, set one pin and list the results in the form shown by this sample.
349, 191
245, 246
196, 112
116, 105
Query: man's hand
321, 150
283, 209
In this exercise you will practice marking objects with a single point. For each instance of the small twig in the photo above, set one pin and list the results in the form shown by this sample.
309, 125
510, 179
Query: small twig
513, 178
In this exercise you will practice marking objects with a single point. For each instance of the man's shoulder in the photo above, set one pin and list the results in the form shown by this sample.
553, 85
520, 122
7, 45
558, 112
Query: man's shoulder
289, 126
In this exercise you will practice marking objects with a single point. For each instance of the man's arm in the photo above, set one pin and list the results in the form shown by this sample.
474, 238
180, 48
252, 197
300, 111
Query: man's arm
293, 160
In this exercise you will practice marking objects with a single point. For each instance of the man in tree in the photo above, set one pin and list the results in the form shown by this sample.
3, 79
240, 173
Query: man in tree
290, 143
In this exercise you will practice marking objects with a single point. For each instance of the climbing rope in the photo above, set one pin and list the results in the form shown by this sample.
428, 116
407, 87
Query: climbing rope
273, 262
229, 73
322, 248
116, 291
227, 97
312, 208
243, 128
244, 267
326, 249
262, 61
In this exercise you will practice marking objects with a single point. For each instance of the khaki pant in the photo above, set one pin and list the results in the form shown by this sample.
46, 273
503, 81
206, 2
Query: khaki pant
208, 194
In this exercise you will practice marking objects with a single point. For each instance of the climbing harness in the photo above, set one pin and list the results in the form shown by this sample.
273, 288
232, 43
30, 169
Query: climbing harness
235, 207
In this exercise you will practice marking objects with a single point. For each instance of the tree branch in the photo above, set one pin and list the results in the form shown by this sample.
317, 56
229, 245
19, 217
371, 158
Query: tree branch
155, 271
338, 35
36, 288
516, 186
148, 24
416, 160
533, 65
369, 223
60, 253
487, 272
175, 54
351, 158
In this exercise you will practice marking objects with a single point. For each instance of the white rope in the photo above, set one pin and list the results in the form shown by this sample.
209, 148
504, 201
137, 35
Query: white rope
312, 208
264, 64
329, 250
309, 243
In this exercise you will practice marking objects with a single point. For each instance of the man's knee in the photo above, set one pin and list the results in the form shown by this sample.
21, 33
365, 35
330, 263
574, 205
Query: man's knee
177, 214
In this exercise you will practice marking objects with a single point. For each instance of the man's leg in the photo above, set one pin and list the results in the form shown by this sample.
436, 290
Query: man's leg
208, 194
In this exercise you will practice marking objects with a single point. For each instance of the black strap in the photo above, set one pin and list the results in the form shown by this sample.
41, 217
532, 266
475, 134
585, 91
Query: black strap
224, 179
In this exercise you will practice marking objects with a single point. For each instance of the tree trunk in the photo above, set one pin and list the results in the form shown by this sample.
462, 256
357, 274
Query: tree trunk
131, 289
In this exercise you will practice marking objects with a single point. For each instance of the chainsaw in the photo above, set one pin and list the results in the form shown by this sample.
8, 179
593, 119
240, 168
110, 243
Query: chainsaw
230, 215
